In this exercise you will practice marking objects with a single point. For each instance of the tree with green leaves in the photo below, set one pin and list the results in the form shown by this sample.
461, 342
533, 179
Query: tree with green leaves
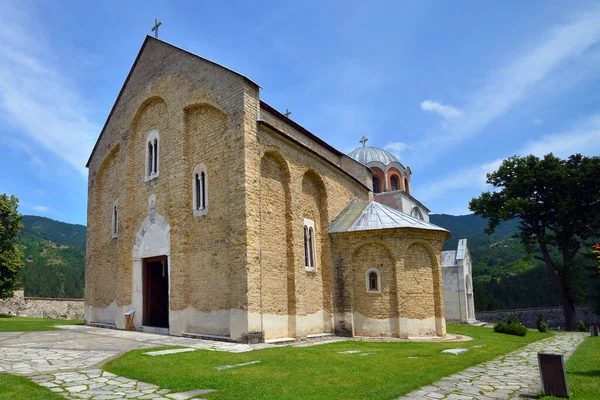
557, 204
11, 258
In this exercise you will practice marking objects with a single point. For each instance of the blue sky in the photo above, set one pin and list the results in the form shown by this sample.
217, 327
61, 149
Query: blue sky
451, 88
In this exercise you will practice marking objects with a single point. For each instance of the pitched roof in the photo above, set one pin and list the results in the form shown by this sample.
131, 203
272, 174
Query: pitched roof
449, 258
461, 252
137, 58
371, 215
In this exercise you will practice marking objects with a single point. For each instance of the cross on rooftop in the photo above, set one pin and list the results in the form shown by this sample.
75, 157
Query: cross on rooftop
287, 113
157, 23
363, 140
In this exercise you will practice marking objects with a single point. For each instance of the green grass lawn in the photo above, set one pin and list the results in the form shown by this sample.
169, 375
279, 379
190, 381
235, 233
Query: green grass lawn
583, 370
319, 372
20, 387
11, 323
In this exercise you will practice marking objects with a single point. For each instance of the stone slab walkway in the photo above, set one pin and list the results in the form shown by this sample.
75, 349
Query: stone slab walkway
507, 377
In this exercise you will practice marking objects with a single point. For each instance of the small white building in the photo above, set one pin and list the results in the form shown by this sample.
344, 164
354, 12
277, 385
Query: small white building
458, 284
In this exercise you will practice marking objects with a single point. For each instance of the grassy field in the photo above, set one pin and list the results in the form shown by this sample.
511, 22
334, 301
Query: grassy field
11, 323
583, 370
19, 387
317, 372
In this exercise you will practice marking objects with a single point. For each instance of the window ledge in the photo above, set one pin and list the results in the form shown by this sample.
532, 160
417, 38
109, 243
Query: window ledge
310, 269
151, 177
374, 291
115, 235
199, 213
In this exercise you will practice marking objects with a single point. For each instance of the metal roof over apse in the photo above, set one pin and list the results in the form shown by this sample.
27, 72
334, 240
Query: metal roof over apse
365, 155
371, 215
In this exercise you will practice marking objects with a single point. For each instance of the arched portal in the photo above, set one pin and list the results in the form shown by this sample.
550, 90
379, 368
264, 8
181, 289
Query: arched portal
151, 270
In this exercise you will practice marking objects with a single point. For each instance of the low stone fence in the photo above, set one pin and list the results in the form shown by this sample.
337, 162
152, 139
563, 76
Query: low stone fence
554, 316
42, 307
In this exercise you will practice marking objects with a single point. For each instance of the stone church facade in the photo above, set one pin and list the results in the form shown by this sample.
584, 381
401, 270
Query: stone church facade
211, 213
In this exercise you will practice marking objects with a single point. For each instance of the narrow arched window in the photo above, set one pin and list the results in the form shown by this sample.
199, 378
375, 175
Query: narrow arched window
311, 246
152, 155
406, 188
155, 152
310, 251
306, 260
202, 190
150, 158
373, 280
115, 220
199, 190
394, 181
376, 185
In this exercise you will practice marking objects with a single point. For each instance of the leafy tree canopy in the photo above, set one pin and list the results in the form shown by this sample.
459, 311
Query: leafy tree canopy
11, 258
557, 203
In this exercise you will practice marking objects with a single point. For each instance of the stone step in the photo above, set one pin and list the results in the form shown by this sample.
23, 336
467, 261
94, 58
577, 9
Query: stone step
205, 336
102, 325
280, 340
318, 336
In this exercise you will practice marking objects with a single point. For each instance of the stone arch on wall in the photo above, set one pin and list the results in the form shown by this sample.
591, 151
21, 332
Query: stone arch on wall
314, 207
375, 313
152, 114
381, 178
105, 273
277, 258
423, 286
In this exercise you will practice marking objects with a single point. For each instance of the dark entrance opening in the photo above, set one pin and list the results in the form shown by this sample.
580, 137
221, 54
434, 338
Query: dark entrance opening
155, 279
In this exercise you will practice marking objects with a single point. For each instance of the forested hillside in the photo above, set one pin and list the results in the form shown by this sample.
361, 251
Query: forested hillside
504, 275
54, 258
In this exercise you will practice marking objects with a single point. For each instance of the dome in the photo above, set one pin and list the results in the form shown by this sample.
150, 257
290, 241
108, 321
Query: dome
365, 155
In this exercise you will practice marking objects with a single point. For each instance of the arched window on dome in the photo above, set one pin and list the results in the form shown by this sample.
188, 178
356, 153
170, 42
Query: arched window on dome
376, 185
406, 188
395, 182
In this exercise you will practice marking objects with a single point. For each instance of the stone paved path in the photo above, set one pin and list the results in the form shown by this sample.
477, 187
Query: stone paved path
506, 377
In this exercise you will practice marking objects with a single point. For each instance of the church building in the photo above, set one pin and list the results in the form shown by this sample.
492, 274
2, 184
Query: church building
212, 214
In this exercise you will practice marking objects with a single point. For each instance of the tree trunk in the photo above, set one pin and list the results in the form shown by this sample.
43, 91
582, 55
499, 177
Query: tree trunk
562, 291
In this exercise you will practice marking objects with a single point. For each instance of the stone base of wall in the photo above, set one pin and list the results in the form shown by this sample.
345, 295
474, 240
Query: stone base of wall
42, 307
554, 316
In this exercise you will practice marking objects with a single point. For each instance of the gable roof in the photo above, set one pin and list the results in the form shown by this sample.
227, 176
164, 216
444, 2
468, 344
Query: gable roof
137, 58
371, 215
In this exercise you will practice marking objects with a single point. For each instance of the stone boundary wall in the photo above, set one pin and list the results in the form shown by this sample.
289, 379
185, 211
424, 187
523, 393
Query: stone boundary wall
554, 316
40, 307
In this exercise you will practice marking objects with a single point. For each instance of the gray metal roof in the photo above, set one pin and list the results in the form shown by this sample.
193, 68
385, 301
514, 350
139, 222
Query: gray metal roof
449, 258
371, 215
461, 252
365, 155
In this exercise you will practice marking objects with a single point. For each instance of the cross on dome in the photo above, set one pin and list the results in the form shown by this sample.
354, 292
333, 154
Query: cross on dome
363, 140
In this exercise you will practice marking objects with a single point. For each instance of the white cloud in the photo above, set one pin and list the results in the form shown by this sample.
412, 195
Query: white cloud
35, 97
396, 148
507, 85
41, 208
444, 110
583, 137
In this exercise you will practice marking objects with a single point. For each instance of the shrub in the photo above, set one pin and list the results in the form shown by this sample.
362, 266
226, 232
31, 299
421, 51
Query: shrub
500, 327
511, 319
541, 324
510, 329
581, 326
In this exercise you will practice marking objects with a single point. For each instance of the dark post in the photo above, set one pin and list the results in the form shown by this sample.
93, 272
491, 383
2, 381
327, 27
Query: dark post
594, 330
553, 375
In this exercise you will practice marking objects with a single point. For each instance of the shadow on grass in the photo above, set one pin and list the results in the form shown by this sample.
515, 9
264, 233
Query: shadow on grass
6, 316
595, 373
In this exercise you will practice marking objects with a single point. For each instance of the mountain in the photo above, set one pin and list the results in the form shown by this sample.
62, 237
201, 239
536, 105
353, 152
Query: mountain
504, 275
54, 258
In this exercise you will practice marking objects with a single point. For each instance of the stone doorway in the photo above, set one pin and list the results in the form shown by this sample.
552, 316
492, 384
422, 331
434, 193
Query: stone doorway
155, 279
